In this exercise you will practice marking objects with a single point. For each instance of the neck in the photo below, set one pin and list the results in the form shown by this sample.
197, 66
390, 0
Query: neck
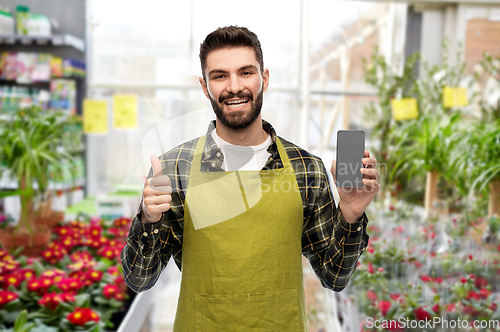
249, 136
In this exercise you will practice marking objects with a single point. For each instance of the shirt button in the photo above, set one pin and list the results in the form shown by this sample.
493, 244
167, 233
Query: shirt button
359, 228
145, 233
208, 155
144, 257
155, 231
271, 158
218, 154
213, 165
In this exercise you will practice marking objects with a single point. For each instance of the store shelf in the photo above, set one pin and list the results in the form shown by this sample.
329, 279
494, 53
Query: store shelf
12, 185
55, 40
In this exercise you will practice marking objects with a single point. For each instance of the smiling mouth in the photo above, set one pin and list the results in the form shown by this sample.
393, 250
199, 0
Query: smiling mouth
236, 103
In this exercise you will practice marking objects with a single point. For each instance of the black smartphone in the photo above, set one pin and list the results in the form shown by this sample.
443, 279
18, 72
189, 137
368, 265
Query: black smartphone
350, 152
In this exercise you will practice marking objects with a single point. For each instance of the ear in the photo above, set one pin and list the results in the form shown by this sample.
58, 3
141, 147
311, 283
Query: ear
265, 78
204, 86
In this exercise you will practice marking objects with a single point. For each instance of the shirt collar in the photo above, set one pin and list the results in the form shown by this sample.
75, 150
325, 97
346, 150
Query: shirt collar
214, 157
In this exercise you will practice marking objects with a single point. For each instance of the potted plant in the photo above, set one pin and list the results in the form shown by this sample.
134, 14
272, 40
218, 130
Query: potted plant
31, 143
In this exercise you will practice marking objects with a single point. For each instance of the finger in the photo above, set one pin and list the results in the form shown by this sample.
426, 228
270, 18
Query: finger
367, 154
369, 173
157, 200
156, 165
369, 162
158, 209
159, 181
371, 185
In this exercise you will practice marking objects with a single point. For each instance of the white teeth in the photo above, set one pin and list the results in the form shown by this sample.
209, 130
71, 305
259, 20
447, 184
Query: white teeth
241, 101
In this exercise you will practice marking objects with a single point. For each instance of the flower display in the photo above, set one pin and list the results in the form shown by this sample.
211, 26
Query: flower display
76, 284
408, 274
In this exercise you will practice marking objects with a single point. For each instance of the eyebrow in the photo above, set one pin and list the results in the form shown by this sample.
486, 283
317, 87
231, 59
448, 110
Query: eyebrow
220, 71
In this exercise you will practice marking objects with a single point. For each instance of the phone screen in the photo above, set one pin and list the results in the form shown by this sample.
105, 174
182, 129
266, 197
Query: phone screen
350, 152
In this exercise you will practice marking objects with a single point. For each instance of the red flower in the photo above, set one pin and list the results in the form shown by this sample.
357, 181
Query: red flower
67, 297
113, 270
399, 229
70, 285
395, 296
484, 293
50, 300
470, 257
384, 307
438, 280
473, 295
122, 222
370, 268
6, 297
94, 231
109, 291
371, 296
392, 208
480, 282
13, 280
370, 250
493, 306
470, 310
94, 275
451, 307
421, 314
426, 278
436, 308
81, 316
463, 280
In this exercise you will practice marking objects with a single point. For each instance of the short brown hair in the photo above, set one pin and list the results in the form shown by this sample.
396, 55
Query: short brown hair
230, 36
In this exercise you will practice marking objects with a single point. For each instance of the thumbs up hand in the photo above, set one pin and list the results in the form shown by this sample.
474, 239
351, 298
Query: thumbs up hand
156, 196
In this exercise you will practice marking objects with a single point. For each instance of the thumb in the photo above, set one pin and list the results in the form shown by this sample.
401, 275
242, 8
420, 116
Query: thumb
156, 165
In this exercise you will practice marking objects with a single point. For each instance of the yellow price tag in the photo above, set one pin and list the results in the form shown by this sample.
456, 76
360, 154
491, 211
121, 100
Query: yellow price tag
404, 109
95, 116
125, 111
454, 97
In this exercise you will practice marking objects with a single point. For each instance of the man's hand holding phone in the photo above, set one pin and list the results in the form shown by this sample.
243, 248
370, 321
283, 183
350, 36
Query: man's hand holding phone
157, 194
355, 176
354, 201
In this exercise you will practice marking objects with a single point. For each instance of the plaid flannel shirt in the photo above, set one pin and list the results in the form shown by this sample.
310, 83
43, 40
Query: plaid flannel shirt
332, 245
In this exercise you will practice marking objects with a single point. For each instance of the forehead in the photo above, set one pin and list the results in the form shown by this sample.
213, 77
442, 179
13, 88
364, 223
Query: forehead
232, 58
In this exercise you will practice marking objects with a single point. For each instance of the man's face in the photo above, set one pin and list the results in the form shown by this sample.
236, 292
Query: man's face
235, 86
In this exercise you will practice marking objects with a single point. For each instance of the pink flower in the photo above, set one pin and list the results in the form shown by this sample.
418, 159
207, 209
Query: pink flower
370, 250
380, 269
370, 268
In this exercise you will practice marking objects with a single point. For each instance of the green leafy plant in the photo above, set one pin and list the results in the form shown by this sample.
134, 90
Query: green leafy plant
31, 143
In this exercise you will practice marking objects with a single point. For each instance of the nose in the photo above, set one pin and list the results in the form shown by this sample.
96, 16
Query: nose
234, 85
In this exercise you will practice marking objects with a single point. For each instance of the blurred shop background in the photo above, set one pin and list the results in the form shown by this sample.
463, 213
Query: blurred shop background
108, 83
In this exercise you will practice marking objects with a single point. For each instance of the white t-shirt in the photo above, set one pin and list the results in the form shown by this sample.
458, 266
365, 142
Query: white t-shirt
243, 158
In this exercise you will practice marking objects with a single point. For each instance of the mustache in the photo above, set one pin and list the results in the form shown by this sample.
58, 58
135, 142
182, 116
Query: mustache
230, 95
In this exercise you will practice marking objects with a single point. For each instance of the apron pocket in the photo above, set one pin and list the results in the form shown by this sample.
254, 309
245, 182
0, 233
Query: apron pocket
262, 312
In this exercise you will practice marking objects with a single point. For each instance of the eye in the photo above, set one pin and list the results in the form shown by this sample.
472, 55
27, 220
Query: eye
217, 77
247, 73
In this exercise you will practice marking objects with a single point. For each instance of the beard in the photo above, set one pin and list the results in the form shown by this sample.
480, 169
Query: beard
238, 119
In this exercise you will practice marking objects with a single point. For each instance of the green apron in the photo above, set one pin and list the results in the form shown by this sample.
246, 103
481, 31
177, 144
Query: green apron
241, 254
